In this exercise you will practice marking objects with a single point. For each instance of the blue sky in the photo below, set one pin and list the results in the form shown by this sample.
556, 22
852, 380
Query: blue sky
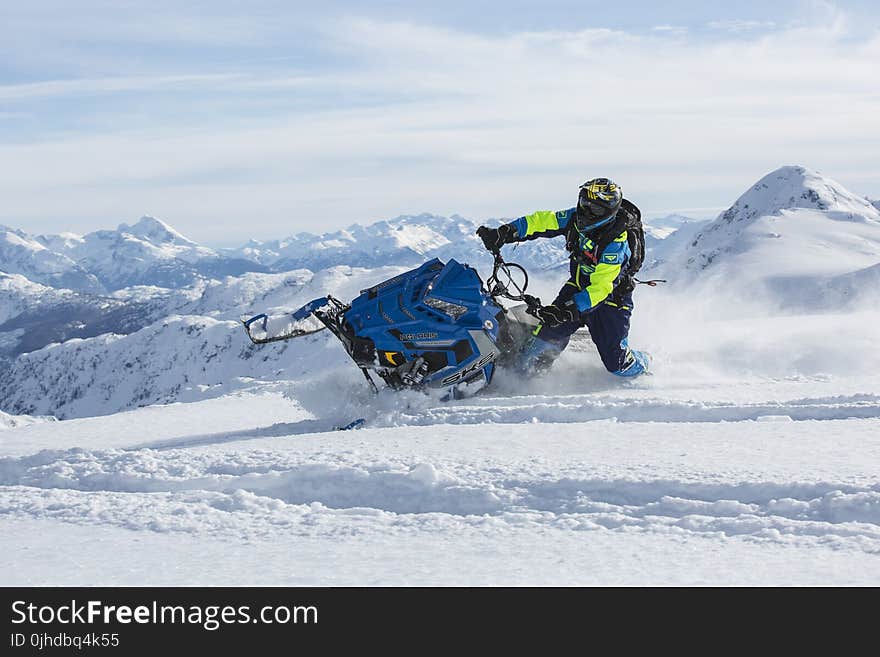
231, 122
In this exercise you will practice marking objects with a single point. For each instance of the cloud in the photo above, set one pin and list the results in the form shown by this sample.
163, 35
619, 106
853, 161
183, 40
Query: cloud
671, 30
109, 85
406, 117
739, 25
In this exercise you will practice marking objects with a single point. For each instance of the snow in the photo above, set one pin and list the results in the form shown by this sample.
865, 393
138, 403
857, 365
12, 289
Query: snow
662, 227
156, 231
404, 240
795, 240
17, 292
22, 254
601, 502
8, 421
190, 456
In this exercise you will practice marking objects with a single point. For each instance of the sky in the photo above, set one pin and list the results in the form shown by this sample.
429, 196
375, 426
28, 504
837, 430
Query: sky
234, 120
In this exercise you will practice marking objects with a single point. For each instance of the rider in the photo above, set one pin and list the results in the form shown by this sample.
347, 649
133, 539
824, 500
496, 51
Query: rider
598, 294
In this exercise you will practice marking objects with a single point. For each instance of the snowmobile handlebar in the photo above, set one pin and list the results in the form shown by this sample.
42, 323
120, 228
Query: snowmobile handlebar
503, 284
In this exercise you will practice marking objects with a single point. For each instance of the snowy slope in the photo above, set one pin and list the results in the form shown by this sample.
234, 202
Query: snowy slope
749, 456
33, 315
8, 421
161, 357
782, 242
17, 293
181, 357
243, 490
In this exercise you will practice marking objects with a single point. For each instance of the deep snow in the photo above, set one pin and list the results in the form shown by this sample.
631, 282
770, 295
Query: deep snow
724, 467
205, 494
749, 456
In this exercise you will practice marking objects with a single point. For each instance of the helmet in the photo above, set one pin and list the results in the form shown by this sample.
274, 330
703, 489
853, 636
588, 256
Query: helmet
598, 202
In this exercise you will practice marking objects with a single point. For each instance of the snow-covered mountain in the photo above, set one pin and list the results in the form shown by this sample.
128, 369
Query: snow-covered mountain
23, 254
150, 252
179, 357
18, 293
403, 240
749, 457
660, 228
119, 281
34, 315
147, 253
795, 235
175, 359
407, 240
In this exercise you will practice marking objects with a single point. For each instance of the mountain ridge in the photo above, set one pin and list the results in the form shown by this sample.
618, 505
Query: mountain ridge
793, 240
791, 222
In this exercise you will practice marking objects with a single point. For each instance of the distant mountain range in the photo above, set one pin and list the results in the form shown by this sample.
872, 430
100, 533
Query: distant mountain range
147, 253
152, 253
116, 319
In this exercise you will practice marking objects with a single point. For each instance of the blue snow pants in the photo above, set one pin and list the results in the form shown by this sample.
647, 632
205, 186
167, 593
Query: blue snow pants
608, 324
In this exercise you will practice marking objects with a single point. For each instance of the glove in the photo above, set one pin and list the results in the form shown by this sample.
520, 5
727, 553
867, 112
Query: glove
495, 238
625, 286
554, 315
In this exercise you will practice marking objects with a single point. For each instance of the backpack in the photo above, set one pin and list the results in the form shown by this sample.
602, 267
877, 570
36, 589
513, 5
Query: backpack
635, 237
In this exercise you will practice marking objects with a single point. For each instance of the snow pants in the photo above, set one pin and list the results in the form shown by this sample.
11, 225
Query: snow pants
608, 324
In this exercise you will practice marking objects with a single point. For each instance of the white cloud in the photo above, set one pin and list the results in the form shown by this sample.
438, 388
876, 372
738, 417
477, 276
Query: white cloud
740, 25
108, 85
671, 30
440, 120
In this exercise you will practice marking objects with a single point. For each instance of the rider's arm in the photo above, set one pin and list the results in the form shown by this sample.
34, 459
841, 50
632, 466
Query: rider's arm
600, 283
542, 223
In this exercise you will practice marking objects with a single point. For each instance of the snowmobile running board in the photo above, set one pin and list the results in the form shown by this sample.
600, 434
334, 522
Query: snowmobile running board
263, 328
278, 338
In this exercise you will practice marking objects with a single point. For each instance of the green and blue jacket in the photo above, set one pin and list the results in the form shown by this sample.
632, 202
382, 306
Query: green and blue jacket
594, 275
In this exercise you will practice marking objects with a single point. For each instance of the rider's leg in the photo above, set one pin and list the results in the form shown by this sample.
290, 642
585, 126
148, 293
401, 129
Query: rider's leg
609, 328
548, 342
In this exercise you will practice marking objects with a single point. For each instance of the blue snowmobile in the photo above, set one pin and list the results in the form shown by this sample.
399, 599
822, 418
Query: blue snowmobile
435, 326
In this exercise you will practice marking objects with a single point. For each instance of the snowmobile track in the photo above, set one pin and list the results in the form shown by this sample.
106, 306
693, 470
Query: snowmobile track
582, 408
181, 491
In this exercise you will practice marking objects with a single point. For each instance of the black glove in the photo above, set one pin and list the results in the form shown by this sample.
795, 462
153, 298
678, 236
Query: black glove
554, 315
495, 238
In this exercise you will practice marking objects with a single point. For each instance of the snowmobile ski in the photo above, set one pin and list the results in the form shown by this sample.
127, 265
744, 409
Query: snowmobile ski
355, 424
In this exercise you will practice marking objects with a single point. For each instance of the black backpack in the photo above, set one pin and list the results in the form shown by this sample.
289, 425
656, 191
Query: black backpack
635, 237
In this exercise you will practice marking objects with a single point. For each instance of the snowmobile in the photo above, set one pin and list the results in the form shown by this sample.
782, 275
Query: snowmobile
435, 326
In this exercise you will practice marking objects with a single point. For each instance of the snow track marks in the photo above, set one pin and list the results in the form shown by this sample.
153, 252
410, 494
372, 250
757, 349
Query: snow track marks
262, 492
